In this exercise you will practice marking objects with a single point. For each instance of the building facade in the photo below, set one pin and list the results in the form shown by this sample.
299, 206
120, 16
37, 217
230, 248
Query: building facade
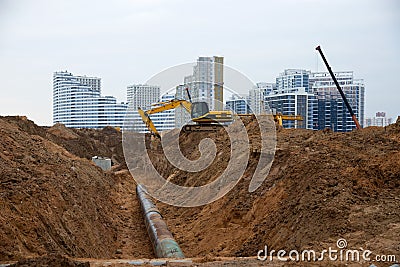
146, 97
296, 102
332, 112
292, 96
206, 82
238, 105
256, 97
380, 119
140, 96
266, 88
315, 97
291, 79
165, 120
77, 103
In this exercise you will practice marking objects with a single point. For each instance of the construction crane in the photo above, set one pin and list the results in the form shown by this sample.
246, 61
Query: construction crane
353, 116
204, 119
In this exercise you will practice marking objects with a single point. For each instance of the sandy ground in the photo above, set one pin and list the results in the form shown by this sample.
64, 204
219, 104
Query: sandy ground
322, 186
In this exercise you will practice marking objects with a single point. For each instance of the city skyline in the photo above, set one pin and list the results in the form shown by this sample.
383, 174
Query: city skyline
129, 41
77, 100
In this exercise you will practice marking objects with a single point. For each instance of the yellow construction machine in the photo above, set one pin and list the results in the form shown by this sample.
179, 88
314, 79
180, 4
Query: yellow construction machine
279, 118
204, 119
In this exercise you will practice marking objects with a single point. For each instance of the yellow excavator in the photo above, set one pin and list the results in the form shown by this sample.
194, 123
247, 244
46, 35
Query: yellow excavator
204, 119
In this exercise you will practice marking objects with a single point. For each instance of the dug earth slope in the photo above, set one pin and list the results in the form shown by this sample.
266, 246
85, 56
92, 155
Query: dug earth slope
322, 186
54, 201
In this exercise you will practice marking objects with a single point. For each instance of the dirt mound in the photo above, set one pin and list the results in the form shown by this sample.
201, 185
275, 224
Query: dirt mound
84, 143
322, 186
50, 260
55, 202
61, 131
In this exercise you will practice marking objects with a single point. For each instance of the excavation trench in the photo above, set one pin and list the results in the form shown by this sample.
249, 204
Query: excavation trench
322, 186
163, 242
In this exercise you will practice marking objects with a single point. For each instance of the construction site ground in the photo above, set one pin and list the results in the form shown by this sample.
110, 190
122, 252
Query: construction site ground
58, 209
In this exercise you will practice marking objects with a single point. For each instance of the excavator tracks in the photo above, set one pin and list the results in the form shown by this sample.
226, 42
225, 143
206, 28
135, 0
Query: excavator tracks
201, 128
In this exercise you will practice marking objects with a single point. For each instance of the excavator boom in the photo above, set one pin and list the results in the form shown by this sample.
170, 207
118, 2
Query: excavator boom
149, 123
172, 104
161, 106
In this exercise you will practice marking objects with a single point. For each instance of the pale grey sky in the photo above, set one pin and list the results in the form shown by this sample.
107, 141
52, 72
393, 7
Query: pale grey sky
128, 41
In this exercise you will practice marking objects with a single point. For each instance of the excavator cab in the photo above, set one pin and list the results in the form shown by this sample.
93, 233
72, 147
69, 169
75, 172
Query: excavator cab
199, 109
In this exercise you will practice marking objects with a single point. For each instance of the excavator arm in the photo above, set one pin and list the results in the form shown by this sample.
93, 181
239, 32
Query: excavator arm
162, 106
172, 104
279, 118
149, 123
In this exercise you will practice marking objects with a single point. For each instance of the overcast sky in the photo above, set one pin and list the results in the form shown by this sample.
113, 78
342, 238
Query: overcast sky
127, 41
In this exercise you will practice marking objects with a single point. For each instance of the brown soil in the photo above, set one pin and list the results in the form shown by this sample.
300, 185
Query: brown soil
322, 186
50, 261
84, 143
53, 201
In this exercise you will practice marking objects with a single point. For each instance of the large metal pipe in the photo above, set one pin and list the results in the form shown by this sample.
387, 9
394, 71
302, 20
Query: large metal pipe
163, 242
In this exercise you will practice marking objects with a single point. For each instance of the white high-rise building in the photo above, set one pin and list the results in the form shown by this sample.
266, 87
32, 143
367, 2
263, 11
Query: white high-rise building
164, 120
140, 96
292, 97
332, 112
238, 104
93, 82
77, 103
297, 102
265, 87
256, 97
206, 83
380, 119
291, 79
